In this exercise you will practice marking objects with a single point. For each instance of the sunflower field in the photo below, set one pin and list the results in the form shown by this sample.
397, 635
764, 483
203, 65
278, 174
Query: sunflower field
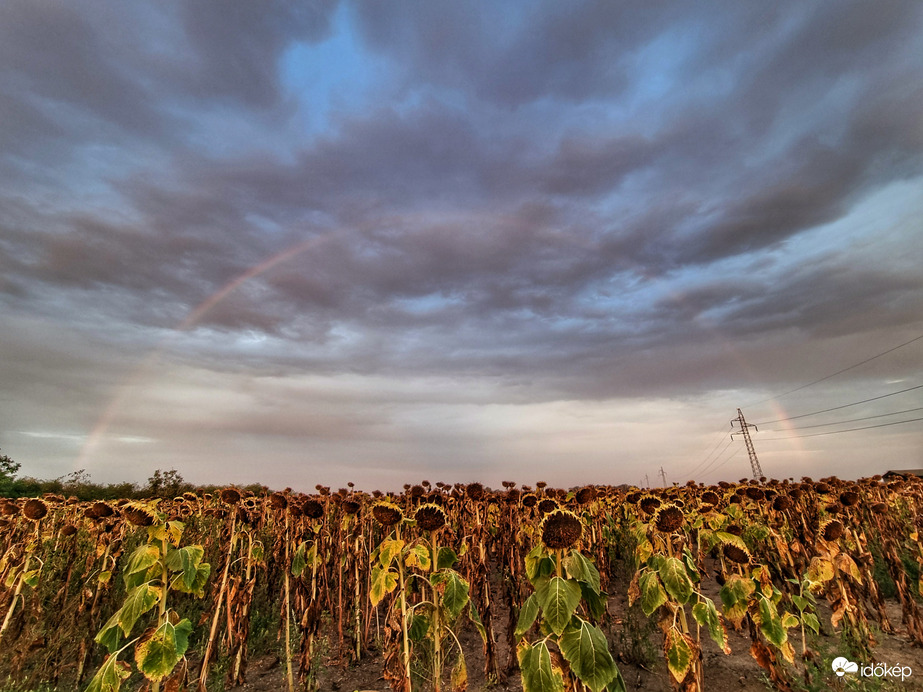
447, 587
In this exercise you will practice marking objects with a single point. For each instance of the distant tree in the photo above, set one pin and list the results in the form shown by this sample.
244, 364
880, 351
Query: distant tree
8, 471
165, 484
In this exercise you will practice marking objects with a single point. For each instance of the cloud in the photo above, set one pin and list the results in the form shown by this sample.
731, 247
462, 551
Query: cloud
589, 202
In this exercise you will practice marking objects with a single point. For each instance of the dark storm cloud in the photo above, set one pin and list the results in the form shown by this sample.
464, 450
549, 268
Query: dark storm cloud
514, 224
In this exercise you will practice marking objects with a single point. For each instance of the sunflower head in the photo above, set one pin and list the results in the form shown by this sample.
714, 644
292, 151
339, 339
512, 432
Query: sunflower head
312, 509
475, 491
547, 505
278, 501
710, 497
780, 503
754, 493
831, 530
351, 506
34, 509
68, 530
138, 514
560, 529
230, 495
430, 517
649, 503
586, 495
668, 518
529, 500
387, 513
849, 498
736, 554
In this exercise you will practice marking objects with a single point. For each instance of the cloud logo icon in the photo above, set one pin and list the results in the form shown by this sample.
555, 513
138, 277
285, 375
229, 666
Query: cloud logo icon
842, 665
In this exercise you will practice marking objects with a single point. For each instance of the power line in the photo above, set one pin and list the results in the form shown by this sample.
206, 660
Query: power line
837, 408
733, 455
709, 467
838, 372
708, 456
835, 432
856, 420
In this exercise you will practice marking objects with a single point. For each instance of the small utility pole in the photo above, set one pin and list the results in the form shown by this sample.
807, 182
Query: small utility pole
663, 478
744, 425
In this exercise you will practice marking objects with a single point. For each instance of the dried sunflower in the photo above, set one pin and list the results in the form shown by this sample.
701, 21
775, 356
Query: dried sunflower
387, 513
430, 517
475, 491
34, 509
668, 518
230, 495
139, 515
649, 503
831, 530
736, 554
586, 495
547, 505
849, 498
561, 529
780, 503
710, 497
312, 509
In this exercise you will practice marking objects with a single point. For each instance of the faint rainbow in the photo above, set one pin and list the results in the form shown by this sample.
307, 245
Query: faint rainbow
95, 437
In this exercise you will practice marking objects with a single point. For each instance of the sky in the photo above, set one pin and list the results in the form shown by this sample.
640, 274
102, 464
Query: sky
380, 242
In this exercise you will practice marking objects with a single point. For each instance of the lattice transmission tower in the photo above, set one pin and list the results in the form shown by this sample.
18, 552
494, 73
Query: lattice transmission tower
744, 429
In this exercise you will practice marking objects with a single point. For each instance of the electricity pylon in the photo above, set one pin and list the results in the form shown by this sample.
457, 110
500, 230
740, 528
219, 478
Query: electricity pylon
744, 425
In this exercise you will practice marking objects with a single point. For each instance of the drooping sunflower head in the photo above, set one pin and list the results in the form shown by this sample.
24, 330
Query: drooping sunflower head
754, 493
633, 497
879, 508
278, 501
475, 491
547, 505
709, 499
351, 506
586, 495
387, 513
230, 496
138, 514
34, 509
668, 518
430, 517
831, 530
529, 500
312, 509
649, 503
560, 529
68, 530
780, 503
849, 498
736, 554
